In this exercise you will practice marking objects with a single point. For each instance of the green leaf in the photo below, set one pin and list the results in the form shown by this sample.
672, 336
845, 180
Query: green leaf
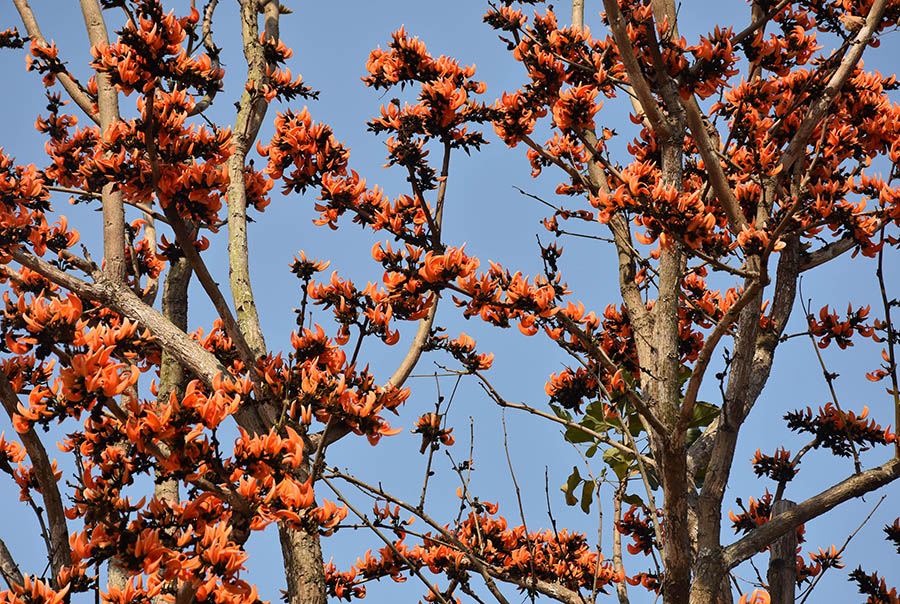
633, 500
591, 451
590, 422
691, 435
704, 414
587, 496
569, 488
618, 461
634, 424
574, 435
596, 411
561, 413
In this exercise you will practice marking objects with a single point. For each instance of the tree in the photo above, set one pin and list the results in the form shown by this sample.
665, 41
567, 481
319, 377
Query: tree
753, 157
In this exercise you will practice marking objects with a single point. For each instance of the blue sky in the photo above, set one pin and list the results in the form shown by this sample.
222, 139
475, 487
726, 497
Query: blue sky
331, 42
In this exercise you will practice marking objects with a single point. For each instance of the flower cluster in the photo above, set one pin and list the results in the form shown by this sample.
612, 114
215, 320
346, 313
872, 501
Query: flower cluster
279, 83
779, 467
757, 513
150, 50
640, 530
555, 557
463, 350
429, 426
830, 327
837, 431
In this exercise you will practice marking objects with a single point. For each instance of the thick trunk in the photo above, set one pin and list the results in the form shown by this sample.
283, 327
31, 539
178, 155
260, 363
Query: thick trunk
724, 596
677, 555
709, 578
665, 392
782, 573
303, 566
171, 373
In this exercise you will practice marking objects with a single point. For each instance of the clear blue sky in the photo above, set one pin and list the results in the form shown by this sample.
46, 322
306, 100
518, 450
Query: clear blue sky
331, 42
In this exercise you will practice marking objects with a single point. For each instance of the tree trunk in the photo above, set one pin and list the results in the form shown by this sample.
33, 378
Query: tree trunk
304, 568
782, 575
172, 377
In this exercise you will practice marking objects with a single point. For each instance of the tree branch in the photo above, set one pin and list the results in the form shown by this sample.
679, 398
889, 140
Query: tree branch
251, 112
717, 178
709, 346
416, 347
186, 242
438, 596
108, 104
788, 269
60, 555
856, 485
124, 301
213, 52
820, 105
599, 436
76, 92
826, 253
635, 75
600, 356
8, 567
553, 590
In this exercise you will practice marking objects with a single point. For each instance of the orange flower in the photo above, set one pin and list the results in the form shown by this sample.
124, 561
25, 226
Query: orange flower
758, 596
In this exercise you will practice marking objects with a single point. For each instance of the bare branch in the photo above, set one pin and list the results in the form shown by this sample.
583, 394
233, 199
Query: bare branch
186, 243
416, 347
856, 485
841, 550
124, 301
60, 555
826, 253
598, 436
8, 567
578, 14
709, 346
621, 586
554, 590
600, 356
108, 104
75, 90
756, 376
621, 231
147, 210
891, 339
645, 479
251, 112
619, 29
438, 596
736, 220
213, 52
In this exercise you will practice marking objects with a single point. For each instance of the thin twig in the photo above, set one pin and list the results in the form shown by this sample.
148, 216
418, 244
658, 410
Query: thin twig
829, 379
621, 586
841, 550
76, 91
414, 569
645, 478
549, 509
512, 474
501, 402
891, 341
